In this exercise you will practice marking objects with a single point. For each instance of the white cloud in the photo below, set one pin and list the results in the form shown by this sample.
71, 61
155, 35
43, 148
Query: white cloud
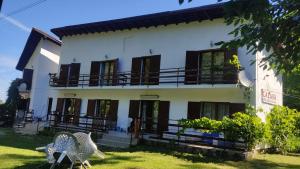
15, 23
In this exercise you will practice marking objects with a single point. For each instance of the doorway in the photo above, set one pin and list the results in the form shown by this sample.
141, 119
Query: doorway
153, 115
149, 115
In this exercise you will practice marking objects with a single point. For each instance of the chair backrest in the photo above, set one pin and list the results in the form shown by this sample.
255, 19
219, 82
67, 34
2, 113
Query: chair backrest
86, 145
65, 141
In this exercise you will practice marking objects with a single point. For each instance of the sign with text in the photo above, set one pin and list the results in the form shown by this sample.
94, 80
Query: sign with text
268, 96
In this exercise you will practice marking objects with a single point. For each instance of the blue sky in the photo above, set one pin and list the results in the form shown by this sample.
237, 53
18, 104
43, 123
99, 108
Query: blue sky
56, 13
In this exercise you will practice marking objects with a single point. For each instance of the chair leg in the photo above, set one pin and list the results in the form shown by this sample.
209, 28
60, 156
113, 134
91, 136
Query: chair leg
62, 156
53, 165
83, 166
72, 165
87, 163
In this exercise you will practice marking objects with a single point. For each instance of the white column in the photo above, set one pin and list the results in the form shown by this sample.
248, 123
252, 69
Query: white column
123, 111
54, 103
83, 109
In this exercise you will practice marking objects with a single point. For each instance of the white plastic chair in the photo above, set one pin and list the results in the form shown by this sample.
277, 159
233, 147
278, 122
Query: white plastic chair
66, 145
86, 147
76, 147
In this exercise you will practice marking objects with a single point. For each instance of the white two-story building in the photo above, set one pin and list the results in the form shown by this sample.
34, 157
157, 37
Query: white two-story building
157, 68
40, 57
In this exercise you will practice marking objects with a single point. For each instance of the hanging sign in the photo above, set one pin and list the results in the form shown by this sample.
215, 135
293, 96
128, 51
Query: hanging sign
268, 96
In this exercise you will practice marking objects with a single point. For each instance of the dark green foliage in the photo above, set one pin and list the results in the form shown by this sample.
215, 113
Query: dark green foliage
13, 96
181, 1
292, 89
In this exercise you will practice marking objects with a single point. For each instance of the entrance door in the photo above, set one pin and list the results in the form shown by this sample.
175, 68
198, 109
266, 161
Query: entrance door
153, 114
104, 113
72, 111
149, 114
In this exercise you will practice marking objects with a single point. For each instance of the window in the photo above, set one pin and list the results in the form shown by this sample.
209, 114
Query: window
105, 109
102, 108
207, 66
154, 114
213, 110
69, 110
145, 70
103, 73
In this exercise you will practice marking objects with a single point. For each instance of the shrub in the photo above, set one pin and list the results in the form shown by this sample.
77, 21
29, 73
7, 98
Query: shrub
293, 144
297, 125
244, 126
203, 123
281, 124
240, 126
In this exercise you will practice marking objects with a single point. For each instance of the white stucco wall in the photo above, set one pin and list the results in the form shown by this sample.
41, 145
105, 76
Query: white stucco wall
44, 60
266, 80
171, 42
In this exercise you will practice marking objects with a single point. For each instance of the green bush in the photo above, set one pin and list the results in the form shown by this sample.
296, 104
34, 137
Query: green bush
203, 123
244, 126
282, 128
297, 125
293, 144
240, 126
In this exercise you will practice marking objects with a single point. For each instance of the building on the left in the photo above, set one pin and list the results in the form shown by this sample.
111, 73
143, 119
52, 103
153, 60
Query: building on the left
40, 57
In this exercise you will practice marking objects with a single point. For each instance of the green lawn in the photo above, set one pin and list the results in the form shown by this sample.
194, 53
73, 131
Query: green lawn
18, 152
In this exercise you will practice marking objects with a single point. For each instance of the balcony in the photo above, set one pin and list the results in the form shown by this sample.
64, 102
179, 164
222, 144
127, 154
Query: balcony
172, 76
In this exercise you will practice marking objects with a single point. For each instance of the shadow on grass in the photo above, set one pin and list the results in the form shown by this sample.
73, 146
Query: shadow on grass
167, 151
199, 158
112, 159
11, 139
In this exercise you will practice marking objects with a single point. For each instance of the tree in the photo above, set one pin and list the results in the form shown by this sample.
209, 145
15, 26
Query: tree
292, 89
1, 1
271, 25
13, 96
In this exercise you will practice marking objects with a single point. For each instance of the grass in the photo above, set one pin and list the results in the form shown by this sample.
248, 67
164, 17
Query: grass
17, 151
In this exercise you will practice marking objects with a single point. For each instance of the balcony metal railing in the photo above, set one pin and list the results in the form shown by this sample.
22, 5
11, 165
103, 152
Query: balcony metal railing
147, 126
80, 123
176, 76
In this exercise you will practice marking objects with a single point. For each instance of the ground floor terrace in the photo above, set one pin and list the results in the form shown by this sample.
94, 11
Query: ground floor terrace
152, 112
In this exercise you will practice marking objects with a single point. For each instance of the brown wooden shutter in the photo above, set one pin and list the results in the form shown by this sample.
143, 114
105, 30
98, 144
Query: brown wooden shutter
191, 67
193, 110
59, 109
77, 111
50, 101
230, 72
60, 105
134, 109
113, 111
91, 108
27, 77
236, 107
74, 74
63, 75
163, 116
115, 76
136, 71
94, 74
154, 70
